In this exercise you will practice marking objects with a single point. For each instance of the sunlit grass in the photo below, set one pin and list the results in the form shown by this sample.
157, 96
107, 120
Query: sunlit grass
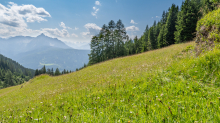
165, 85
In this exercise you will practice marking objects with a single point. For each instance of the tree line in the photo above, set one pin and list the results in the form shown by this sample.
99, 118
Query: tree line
177, 25
51, 72
12, 73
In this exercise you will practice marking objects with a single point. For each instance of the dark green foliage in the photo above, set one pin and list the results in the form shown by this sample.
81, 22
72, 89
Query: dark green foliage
12, 73
170, 28
109, 43
44, 69
57, 72
160, 39
138, 45
175, 26
152, 39
186, 22
36, 72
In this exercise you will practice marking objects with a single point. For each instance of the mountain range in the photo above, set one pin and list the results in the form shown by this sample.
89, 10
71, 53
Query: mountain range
35, 52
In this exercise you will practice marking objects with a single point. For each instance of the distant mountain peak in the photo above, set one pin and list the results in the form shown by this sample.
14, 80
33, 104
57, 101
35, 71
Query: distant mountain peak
42, 35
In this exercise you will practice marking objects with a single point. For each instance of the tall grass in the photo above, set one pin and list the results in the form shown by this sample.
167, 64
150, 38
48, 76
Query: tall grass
166, 85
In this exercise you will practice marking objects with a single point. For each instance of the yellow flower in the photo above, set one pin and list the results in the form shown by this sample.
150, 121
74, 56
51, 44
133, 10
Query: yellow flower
132, 80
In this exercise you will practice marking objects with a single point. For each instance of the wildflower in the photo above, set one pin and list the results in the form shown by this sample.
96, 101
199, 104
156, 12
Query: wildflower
129, 121
64, 117
161, 95
30, 111
132, 80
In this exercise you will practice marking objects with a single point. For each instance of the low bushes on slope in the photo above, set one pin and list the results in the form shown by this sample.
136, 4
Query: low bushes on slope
208, 31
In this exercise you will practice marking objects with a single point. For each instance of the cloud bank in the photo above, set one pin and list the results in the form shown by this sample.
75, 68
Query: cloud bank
92, 29
14, 19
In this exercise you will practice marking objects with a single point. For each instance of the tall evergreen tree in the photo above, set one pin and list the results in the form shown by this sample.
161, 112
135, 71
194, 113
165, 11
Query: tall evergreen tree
186, 22
120, 35
170, 28
44, 69
36, 72
57, 72
160, 39
111, 34
9, 80
151, 39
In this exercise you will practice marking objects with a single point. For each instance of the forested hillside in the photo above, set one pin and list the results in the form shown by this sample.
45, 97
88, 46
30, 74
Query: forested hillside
12, 73
177, 25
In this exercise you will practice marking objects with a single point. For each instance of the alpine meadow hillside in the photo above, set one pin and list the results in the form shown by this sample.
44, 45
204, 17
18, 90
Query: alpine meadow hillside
171, 75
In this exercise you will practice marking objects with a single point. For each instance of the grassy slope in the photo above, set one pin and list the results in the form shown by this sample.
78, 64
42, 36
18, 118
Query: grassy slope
157, 86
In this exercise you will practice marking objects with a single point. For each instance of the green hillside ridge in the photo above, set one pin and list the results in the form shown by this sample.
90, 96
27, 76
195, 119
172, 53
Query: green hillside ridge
12, 73
164, 85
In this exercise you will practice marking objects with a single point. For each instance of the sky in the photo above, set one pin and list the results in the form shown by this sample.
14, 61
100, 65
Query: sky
75, 21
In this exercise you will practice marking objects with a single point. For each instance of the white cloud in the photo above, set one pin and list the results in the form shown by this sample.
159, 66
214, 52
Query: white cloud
92, 29
96, 9
55, 32
157, 17
15, 15
132, 28
97, 3
62, 24
14, 19
132, 21
95, 12
74, 35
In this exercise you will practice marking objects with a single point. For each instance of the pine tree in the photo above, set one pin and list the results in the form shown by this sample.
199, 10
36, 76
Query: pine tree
145, 38
138, 45
9, 80
57, 72
111, 28
36, 72
44, 69
151, 39
51, 72
170, 28
160, 38
94, 53
121, 36
186, 22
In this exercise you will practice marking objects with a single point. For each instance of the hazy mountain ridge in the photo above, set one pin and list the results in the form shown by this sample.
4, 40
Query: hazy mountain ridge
34, 52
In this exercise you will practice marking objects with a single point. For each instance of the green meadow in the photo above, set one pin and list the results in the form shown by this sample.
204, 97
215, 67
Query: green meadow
166, 85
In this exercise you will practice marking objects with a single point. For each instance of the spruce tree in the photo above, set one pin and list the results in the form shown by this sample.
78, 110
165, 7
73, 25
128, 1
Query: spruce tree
44, 69
160, 38
57, 72
36, 72
170, 28
186, 22
151, 39
111, 28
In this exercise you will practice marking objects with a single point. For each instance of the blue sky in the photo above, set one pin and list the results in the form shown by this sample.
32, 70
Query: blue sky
75, 21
